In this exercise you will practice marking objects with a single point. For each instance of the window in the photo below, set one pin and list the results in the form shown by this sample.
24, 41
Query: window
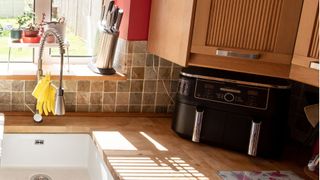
9, 11
80, 26
81, 19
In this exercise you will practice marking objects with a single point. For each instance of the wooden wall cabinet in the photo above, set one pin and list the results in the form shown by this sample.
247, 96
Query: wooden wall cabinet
306, 52
251, 36
170, 28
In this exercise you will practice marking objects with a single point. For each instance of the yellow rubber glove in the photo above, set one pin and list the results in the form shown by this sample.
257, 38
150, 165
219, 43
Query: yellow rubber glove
39, 87
52, 96
44, 92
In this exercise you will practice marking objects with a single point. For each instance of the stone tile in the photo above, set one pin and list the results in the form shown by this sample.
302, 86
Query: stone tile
140, 46
5, 98
164, 73
165, 63
176, 65
148, 98
135, 98
30, 85
96, 86
129, 46
122, 108
96, 98
70, 108
152, 61
123, 86
18, 85
162, 99
17, 98
56, 83
136, 86
171, 108
150, 73
139, 60
119, 62
162, 84
17, 108
29, 99
176, 72
70, 86
147, 108
128, 73
161, 109
70, 97
135, 108
82, 108
95, 108
108, 108
5, 85
5, 108
174, 86
150, 86
109, 86
121, 44
32, 106
122, 98
137, 73
109, 98
156, 60
173, 97
83, 97
83, 86
149, 60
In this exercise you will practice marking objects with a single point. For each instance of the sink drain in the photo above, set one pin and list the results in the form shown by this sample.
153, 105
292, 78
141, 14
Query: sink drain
40, 177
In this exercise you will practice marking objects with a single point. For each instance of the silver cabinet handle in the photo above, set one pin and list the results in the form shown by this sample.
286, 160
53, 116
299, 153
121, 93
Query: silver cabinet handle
314, 65
235, 54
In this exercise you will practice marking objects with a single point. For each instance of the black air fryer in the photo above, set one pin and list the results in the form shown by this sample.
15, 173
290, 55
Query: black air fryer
242, 112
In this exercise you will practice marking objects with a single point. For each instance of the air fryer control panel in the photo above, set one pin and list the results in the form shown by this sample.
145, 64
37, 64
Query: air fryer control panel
232, 93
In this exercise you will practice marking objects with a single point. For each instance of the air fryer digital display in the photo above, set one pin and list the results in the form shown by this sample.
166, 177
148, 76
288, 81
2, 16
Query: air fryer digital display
232, 93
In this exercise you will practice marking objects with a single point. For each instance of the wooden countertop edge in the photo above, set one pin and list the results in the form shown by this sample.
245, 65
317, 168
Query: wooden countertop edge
96, 114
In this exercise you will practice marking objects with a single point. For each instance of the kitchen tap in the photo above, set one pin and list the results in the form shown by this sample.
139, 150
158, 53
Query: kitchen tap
59, 100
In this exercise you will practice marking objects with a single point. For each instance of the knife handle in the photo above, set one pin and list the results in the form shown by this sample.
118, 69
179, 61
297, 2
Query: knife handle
119, 18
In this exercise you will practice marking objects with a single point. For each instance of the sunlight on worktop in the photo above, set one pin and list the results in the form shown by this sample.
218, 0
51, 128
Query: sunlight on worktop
133, 163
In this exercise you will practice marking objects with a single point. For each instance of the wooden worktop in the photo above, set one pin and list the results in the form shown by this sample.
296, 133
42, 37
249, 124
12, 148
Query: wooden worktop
148, 147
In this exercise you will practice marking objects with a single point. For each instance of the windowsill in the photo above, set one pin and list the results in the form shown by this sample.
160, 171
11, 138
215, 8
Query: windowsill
27, 71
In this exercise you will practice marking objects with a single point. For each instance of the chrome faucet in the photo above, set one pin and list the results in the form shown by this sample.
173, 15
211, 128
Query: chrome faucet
59, 101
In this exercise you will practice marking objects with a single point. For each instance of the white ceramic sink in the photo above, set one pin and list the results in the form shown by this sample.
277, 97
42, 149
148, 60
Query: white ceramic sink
60, 156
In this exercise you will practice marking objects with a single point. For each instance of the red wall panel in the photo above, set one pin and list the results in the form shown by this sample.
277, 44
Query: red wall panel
135, 22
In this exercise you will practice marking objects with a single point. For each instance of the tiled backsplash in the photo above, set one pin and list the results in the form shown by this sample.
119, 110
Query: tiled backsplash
150, 79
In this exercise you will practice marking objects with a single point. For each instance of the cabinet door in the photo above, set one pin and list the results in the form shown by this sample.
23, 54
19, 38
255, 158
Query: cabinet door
257, 30
305, 63
169, 29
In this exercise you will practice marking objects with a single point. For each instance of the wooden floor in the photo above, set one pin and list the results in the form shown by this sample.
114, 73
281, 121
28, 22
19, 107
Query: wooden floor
146, 148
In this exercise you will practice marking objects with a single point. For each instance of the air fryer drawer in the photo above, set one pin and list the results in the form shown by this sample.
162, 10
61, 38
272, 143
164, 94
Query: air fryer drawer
218, 127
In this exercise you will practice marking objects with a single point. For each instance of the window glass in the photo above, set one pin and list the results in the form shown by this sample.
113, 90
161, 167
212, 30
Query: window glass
10, 10
81, 19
